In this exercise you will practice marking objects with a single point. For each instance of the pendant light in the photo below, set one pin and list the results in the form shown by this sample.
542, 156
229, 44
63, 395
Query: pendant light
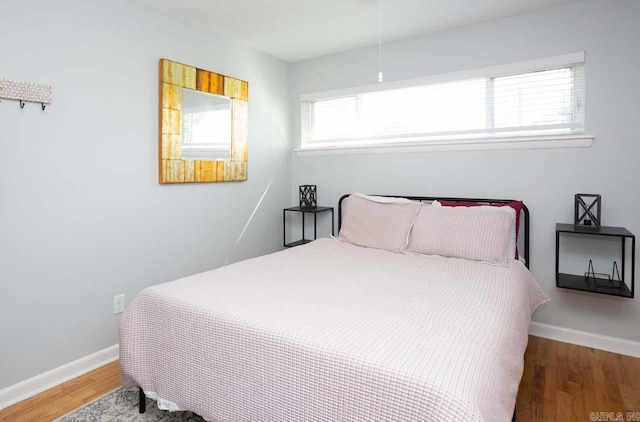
380, 77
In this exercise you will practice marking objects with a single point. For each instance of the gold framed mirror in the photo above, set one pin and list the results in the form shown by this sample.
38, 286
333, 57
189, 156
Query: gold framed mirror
203, 125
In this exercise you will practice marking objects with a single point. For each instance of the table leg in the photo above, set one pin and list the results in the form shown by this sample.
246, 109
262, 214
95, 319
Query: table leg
332, 223
623, 260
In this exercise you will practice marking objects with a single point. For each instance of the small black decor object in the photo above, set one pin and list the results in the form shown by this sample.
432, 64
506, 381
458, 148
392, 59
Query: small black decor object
308, 196
603, 279
587, 210
591, 275
615, 273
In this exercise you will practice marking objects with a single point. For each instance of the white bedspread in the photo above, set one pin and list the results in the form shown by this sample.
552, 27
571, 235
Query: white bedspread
333, 332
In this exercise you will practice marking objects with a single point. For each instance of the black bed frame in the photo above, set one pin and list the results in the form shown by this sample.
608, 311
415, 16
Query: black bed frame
142, 404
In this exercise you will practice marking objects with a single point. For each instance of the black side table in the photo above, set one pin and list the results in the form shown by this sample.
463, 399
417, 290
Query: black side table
606, 286
303, 210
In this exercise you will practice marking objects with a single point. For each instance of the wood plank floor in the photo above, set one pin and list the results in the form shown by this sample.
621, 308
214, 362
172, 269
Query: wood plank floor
561, 382
565, 382
65, 397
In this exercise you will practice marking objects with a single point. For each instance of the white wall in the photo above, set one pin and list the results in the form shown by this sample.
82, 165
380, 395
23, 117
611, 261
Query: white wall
82, 216
546, 180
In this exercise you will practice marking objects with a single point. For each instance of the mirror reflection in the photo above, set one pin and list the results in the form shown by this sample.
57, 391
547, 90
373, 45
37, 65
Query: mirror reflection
206, 126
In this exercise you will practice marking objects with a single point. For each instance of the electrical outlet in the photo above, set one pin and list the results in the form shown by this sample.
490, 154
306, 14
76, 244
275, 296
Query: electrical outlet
118, 304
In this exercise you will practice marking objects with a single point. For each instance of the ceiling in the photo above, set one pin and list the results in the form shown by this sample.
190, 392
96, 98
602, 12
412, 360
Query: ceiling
295, 30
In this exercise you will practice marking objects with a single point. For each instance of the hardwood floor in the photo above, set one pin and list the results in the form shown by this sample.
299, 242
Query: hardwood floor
561, 382
65, 397
564, 382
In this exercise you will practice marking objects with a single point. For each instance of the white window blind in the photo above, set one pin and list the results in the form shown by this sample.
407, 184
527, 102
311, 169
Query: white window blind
539, 101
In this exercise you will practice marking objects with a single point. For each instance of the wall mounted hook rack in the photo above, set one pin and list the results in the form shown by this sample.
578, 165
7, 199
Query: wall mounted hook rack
25, 92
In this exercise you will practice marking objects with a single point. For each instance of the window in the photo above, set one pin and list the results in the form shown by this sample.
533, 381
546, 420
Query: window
539, 98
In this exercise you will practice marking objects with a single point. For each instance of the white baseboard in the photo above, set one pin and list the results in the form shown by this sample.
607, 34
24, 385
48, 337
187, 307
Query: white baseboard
32, 386
583, 338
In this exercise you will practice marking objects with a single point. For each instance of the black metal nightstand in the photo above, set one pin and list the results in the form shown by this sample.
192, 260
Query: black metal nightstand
315, 211
581, 282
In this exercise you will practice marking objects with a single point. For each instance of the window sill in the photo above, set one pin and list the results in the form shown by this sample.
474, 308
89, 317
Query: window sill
529, 142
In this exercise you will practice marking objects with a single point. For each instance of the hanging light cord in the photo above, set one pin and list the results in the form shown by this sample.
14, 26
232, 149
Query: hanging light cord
380, 78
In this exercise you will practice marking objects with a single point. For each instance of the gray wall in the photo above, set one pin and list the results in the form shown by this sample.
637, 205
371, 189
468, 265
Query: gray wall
82, 216
546, 180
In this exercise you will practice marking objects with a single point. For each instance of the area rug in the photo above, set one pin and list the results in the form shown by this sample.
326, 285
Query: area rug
122, 406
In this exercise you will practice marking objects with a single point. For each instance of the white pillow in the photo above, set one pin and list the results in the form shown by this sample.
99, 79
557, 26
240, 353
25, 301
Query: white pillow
512, 243
476, 233
384, 199
380, 225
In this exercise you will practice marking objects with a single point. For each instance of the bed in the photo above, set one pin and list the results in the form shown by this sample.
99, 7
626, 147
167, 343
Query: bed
333, 331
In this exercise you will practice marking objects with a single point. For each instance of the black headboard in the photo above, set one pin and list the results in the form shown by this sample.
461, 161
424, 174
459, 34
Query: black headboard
524, 227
